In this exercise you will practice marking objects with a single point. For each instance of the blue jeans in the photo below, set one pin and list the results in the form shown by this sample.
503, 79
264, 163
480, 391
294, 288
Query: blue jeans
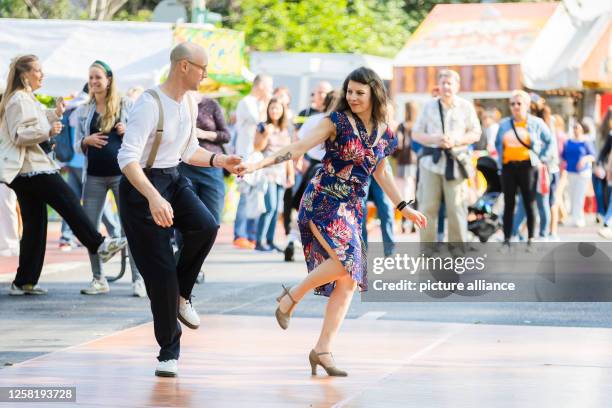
244, 227
109, 219
599, 188
208, 184
543, 210
266, 226
384, 209
94, 200
608, 216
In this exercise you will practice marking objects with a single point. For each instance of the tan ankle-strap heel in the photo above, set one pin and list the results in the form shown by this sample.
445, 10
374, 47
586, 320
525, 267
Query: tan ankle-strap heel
283, 317
332, 371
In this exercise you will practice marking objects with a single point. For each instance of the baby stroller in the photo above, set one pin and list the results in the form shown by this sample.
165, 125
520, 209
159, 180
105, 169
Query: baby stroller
482, 220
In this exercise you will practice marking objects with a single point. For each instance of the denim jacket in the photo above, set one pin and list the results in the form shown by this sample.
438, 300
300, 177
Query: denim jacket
540, 137
84, 114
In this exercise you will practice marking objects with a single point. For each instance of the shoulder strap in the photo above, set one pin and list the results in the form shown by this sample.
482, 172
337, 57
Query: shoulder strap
441, 115
159, 130
517, 136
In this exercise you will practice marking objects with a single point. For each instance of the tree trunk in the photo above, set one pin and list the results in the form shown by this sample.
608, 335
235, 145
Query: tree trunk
104, 9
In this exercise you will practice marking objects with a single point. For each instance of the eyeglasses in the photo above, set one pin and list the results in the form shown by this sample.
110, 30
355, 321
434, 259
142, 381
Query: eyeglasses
202, 67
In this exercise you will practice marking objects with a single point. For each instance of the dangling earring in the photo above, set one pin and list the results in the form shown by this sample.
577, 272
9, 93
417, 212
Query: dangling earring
25, 83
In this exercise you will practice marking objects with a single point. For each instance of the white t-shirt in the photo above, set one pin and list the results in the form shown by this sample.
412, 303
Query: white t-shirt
318, 151
247, 118
178, 140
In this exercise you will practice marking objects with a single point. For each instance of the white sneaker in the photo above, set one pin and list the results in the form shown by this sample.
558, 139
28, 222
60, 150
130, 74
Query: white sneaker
187, 314
605, 232
96, 287
139, 289
167, 368
110, 247
554, 238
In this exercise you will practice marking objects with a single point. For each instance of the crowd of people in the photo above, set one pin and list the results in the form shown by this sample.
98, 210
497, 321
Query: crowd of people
164, 155
439, 141
546, 170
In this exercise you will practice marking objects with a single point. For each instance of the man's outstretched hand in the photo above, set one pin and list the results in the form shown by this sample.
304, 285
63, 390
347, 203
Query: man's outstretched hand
245, 168
230, 163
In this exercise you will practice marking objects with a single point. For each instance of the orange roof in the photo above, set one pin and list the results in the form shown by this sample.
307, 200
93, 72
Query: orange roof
475, 34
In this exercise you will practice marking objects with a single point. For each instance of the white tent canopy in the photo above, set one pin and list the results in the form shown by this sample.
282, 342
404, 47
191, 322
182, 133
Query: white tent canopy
136, 52
564, 44
301, 71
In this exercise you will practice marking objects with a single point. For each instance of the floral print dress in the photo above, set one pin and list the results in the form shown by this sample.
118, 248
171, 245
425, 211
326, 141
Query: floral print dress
333, 199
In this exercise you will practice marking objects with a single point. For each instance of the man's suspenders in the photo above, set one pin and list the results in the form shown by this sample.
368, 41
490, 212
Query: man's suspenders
158, 133
160, 127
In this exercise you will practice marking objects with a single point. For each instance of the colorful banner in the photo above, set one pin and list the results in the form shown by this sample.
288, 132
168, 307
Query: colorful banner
225, 50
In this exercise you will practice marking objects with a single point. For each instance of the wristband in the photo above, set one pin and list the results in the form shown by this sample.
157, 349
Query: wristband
212, 159
403, 204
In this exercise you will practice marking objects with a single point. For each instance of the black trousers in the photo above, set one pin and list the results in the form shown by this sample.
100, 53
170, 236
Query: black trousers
33, 194
166, 278
287, 207
519, 176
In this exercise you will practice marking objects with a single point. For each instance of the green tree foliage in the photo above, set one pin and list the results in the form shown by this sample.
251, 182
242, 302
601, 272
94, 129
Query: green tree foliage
367, 26
37, 9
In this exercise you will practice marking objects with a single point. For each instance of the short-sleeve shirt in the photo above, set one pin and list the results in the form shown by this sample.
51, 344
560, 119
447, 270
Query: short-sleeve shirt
460, 118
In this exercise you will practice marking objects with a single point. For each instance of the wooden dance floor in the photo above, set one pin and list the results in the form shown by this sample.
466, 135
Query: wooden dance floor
247, 361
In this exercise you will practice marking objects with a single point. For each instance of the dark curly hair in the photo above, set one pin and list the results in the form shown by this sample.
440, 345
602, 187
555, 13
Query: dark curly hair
380, 98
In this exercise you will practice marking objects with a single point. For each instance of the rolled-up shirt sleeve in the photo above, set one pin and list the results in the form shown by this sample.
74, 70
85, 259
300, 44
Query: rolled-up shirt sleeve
143, 120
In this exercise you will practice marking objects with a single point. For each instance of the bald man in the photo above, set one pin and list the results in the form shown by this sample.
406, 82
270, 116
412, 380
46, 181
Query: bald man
316, 103
155, 197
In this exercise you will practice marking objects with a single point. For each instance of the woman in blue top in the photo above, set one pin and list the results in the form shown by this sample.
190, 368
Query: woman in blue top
579, 154
357, 140
100, 128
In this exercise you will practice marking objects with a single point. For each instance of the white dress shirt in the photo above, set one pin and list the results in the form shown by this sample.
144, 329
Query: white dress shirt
318, 151
178, 140
247, 118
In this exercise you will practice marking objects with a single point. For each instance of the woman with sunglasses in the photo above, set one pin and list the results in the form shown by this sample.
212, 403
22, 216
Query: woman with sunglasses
522, 144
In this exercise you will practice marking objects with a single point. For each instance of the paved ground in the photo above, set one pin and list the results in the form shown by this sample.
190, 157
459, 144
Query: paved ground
247, 361
237, 283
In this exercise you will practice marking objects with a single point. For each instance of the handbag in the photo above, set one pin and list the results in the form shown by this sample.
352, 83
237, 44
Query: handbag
543, 186
463, 158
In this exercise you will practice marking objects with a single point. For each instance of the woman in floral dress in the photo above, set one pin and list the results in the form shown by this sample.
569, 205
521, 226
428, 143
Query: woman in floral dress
357, 141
